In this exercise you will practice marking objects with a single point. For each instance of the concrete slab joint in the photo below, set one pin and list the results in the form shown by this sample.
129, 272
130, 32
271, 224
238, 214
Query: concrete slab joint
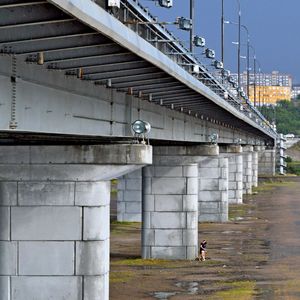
54, 219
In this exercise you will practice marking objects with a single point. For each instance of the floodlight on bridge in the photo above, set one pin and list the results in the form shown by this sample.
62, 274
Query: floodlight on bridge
113, 3
218, 64
238, 141
231, 79
165, 3
195, 69
199, 41
141, 129
184, 23
210, 53
226, 73
213, 138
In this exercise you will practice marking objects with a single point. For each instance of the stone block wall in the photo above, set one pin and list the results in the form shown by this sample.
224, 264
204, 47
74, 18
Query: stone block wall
247, 172
54, 240
129, 202
266, 162
170, 225
235, 179
213, 189
255, 169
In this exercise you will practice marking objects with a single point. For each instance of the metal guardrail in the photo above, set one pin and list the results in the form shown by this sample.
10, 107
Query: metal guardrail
150, 30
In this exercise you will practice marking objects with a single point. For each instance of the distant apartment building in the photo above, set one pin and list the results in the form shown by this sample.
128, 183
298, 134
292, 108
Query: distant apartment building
295, 91
270, 87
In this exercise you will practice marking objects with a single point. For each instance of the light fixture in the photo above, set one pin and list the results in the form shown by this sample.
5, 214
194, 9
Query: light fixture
141, 129
199, 41
226, 73
213, 138
210, 53
165, 3
113, 3
218, 64
184, 23
195, 69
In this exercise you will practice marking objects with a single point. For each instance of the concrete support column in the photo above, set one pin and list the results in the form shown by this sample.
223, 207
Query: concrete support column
129, 202
213, 189
247, 169
235, 172
254, 168
54, 219
266, 161
170, 209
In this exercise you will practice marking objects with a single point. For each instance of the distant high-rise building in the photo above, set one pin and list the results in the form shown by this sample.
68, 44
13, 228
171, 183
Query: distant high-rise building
295, 91
270, 87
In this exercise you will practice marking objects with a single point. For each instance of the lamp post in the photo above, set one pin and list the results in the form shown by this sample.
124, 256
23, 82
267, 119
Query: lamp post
192, 17
239, 50
239, 37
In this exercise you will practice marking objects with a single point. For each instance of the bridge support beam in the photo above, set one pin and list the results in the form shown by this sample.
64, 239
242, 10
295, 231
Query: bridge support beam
54, 225
235, 172
247, 169
266, 161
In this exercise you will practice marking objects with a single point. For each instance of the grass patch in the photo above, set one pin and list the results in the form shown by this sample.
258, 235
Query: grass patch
239, 290
117, 227
120, 276
239, 210
142, 262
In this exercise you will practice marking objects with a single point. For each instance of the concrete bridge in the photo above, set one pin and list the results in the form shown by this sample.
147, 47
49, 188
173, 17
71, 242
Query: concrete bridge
74, 75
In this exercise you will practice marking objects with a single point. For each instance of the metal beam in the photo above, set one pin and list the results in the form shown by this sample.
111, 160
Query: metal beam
92, 61
137, 78
38, 31
143, 82
119, 74
19, 15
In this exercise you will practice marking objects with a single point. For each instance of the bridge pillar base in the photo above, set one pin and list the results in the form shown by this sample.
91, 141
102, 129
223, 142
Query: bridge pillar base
235, 172
54, 219
247, 169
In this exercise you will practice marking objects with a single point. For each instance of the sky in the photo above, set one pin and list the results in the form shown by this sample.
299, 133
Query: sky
274, 28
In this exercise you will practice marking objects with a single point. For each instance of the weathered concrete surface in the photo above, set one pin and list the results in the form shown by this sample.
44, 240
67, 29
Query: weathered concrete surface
54, 218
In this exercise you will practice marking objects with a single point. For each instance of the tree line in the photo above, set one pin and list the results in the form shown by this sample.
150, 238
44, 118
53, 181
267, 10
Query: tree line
286, 115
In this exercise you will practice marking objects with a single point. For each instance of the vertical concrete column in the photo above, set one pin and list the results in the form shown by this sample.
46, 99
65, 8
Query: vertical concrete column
235, 172
170, 209
129, 202
213, 189
54, 219
255, 167
266, 161
247, 169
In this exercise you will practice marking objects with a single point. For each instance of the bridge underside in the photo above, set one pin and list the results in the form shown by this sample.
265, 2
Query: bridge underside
40, 33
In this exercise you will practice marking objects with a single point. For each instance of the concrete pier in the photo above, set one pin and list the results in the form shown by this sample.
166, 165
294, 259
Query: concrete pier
266, 161
129, 201
235, 172
54, 224
170, 209
247, 169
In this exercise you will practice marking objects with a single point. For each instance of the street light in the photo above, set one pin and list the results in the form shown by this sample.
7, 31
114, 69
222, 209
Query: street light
239, 36
239, 47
